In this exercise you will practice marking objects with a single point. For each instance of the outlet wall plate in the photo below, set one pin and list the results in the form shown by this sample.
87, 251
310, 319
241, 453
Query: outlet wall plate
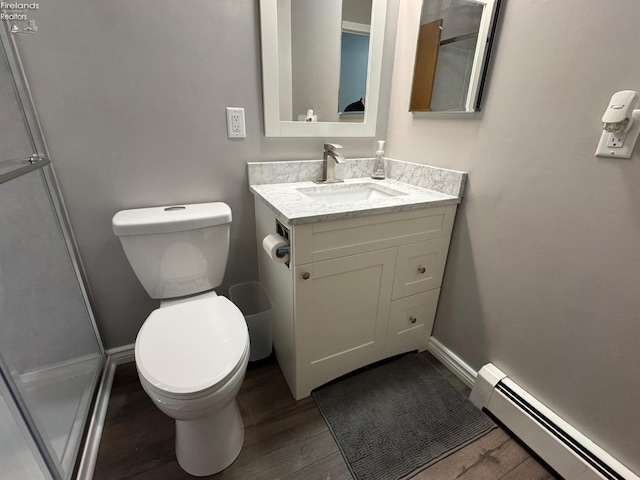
607, 140
235, 122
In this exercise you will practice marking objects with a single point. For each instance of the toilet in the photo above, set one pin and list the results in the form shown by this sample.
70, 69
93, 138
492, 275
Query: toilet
192, 352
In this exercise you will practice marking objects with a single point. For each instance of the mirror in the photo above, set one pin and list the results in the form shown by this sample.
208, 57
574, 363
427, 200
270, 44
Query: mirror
321, 66
452, 55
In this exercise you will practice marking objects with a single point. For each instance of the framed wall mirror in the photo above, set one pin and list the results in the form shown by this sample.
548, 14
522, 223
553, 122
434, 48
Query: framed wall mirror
452, 55
321, 66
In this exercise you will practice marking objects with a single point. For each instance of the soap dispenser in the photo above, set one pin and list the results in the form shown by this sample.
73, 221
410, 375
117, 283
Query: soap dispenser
378, 168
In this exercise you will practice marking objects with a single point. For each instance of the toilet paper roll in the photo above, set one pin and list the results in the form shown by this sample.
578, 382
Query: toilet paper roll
271, 243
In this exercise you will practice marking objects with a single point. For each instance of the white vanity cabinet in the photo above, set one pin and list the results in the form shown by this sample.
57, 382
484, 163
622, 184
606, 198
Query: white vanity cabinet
357, 290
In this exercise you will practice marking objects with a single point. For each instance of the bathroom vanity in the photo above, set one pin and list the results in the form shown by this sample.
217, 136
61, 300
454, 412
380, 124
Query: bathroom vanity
366, 262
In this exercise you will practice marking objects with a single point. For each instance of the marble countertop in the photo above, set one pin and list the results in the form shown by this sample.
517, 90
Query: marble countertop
294, 207
418, 185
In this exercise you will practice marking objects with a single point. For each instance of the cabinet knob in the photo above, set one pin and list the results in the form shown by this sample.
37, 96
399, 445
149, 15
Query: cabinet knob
421, 269
413, 319
306, 275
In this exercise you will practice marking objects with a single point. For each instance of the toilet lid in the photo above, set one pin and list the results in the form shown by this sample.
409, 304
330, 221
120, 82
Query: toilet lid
192, 346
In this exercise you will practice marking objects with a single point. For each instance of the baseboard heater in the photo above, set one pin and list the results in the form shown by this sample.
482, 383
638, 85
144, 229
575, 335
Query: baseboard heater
565, 449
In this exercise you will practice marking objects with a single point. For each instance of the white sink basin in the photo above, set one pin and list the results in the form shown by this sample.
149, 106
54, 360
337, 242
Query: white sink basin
349, 193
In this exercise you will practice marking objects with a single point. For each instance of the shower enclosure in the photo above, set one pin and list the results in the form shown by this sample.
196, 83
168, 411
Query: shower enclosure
51, 357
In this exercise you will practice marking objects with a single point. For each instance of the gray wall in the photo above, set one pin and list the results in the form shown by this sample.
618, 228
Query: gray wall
544, 267
131, 97
358, 11
315, 57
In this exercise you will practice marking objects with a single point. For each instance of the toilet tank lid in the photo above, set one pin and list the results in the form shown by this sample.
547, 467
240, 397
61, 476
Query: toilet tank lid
171, 218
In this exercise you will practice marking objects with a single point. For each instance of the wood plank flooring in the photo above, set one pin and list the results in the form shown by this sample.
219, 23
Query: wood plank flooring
284, 439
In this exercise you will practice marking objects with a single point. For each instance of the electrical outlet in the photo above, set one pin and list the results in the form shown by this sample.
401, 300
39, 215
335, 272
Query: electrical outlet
616, 140
614, 145
235, 123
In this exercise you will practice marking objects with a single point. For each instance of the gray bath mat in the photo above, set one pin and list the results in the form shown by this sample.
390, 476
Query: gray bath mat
396, 419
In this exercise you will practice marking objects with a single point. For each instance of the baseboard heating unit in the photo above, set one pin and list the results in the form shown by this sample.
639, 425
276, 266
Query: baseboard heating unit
565, 449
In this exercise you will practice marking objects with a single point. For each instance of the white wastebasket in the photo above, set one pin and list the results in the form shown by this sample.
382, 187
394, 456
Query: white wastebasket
254, 303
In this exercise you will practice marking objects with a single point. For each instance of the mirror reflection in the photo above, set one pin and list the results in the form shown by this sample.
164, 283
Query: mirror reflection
323, 59
454, 40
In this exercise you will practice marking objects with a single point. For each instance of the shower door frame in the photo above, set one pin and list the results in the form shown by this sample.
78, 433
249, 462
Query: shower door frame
38, 142
42, 162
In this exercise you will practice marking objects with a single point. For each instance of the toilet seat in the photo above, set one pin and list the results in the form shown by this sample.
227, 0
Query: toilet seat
189, 350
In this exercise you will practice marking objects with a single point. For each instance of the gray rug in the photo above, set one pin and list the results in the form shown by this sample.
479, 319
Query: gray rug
396, 419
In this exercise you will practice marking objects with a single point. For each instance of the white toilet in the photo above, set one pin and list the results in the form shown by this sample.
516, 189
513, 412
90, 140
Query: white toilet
192, 352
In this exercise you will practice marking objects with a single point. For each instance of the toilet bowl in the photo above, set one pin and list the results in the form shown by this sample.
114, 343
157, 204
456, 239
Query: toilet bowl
191, 359
192, 352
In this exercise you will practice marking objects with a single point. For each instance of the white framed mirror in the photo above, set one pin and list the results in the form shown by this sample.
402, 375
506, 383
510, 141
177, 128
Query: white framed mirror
454, 45
321, 64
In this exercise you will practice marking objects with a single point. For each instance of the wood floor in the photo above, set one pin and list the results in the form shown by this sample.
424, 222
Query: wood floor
284, 439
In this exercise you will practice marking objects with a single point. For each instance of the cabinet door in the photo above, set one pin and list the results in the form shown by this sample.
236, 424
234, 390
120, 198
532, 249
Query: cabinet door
341, 312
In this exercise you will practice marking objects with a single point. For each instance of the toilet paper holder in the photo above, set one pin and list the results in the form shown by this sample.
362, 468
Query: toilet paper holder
283, 231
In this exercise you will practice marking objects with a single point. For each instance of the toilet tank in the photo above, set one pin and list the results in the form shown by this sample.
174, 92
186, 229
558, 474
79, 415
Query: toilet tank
176, 250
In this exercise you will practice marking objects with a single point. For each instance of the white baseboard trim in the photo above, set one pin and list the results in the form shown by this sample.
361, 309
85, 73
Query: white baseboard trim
117, 356
454, 363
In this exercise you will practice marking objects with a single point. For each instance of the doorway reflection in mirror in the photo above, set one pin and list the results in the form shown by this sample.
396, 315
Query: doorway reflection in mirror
324, 58
451, 57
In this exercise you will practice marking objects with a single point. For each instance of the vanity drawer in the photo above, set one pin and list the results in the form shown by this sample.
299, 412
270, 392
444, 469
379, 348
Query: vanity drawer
420, 267
411, 319
339, 238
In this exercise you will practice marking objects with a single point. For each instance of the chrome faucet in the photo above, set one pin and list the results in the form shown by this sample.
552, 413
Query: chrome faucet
329, 160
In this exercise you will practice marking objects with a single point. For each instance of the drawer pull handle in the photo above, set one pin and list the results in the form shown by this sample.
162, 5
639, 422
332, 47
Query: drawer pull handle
421, 269
413, 319
306, 275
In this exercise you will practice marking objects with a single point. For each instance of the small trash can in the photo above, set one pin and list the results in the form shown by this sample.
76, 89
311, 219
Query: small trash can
253, 301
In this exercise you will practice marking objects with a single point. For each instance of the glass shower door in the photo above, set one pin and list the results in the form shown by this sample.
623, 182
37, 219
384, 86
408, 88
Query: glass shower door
50, 354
